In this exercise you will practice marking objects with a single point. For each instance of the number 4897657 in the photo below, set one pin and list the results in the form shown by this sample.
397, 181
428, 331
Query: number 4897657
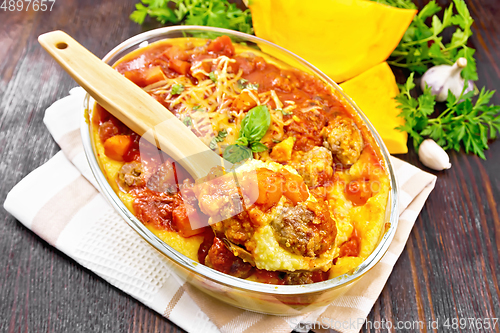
19, 5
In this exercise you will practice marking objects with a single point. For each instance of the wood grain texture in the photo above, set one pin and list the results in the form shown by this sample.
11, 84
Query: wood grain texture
449, 269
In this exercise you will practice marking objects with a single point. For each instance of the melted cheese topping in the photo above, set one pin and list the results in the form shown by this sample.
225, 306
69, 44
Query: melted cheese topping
205, 107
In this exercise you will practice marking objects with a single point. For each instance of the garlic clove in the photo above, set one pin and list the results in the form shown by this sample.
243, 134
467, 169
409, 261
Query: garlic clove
444, 77
433, 156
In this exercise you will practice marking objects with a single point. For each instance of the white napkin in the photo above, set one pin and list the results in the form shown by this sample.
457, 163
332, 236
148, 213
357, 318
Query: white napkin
60, 203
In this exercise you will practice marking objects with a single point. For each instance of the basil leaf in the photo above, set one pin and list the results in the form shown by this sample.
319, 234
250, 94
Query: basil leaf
237, 153
256, 123
242, 141
258, 147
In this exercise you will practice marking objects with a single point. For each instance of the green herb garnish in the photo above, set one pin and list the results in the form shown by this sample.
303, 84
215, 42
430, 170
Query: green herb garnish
212, 77
253, 128
463, 123
187, 121
283, 112
237, 153
242, 83
422, 46
215, 13
177, 89
218, 138
255, 124
253, 86
258, 147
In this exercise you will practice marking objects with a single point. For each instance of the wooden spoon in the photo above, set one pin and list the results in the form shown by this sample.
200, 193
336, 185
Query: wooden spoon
136, 109
131, 105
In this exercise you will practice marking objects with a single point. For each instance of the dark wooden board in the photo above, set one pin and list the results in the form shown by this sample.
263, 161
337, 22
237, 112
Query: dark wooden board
449, 269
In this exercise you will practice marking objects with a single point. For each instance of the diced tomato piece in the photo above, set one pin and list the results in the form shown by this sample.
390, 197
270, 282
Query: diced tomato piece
222, 45
175, 52
270, 188
351, 247
181, 67
319, 276
133, 153
99, 115
269, 277
145, 76
223, 260
294, 187
183, 216
244, 102
154, 74
117, 146
208, 240
154, 208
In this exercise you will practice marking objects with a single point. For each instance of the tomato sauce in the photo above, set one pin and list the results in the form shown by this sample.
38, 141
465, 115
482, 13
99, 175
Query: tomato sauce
158, 201
351, 247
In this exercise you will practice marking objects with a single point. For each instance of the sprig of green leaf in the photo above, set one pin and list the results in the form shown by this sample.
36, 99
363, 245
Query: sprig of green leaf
253, 128
214, 13
423, 46
463, 123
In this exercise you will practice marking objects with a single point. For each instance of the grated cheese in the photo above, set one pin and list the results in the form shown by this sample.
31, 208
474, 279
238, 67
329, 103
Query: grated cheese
209, 104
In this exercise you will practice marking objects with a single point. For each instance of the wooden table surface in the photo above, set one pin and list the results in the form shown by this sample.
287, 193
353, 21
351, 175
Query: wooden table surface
449, 269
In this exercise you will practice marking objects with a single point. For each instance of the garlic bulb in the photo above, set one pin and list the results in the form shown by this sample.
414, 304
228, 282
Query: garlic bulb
444, 77
433, 156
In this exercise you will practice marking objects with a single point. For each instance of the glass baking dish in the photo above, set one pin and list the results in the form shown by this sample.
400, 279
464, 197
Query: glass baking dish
249, 295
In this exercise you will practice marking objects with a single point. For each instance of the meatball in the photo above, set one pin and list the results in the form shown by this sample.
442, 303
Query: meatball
315, 166
130, 175
344, 139
306, 230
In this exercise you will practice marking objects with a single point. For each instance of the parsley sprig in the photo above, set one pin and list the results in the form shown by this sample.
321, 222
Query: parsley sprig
462, 124
423, 46
214, 13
